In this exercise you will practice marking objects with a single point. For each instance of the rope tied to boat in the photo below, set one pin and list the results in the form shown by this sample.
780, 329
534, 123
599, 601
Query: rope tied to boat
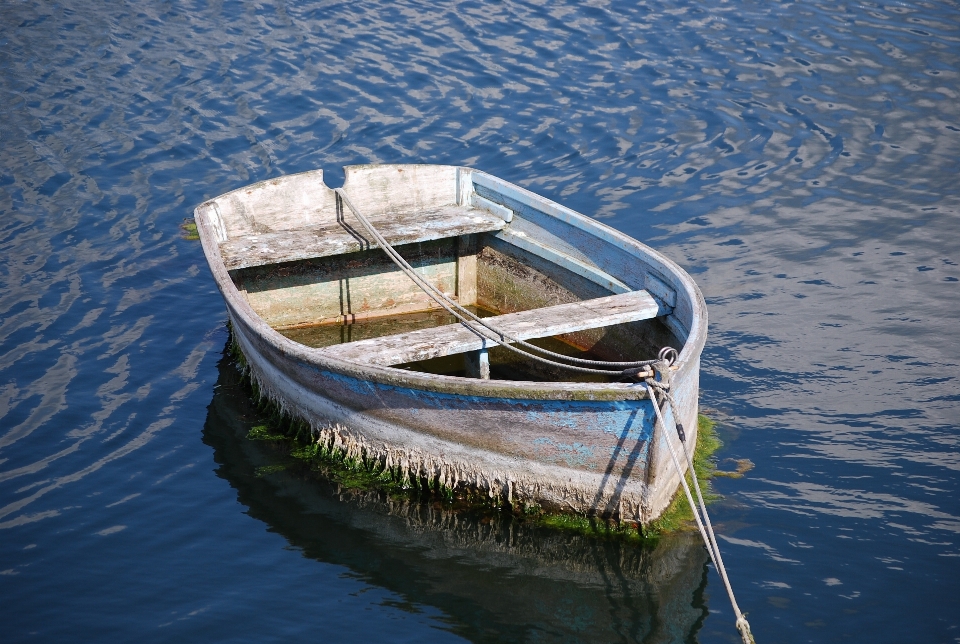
661, 387
657, 383
486, 332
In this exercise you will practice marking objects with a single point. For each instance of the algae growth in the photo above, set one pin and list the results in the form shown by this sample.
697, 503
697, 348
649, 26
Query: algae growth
677, 517
188, 230
300, 451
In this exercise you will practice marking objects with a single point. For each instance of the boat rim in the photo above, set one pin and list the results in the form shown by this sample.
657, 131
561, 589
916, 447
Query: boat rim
458, 385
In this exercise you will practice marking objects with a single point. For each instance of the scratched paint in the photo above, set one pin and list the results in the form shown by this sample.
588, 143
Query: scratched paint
574, 455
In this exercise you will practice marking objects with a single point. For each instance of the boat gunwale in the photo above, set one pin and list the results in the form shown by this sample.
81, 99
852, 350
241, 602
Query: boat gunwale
240, 310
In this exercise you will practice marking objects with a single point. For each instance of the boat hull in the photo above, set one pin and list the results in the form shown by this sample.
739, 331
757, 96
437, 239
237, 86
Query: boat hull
588, 448
592, 457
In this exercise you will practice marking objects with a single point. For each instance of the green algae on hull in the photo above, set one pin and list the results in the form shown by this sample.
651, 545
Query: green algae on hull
294, 439
678, 515
188, 230
676, 518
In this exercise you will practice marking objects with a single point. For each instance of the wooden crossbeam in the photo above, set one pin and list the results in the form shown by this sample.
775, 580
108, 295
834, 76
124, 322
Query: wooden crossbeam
538, 323
337, 238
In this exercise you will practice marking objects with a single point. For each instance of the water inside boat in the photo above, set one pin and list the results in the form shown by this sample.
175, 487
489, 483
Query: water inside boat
326, 301
504, 364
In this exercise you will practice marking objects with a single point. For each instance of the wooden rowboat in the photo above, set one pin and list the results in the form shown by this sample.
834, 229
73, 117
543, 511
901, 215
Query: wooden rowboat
341, 338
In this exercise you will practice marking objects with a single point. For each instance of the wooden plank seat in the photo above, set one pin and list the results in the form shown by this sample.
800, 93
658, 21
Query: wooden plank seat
348, 236
538, 323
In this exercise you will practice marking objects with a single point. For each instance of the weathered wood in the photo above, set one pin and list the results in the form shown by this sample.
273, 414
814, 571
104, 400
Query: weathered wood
319, 291
380, 189
591, 243
285, 203
348, 319
485, 204
477, 364
509, 279
538, 323
338, 238
592, 273
467, 269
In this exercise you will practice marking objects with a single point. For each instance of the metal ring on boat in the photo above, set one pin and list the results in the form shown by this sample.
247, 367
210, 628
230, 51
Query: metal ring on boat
669, 354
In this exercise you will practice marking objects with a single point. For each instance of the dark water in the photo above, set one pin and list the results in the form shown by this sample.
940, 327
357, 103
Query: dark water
800, 159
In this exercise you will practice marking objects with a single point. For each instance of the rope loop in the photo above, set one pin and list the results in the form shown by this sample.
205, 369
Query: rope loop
662, 369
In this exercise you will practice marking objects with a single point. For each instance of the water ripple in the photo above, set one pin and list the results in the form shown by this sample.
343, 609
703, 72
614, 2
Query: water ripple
800, 159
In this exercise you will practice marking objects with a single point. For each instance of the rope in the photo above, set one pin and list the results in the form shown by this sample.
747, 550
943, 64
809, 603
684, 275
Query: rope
703, 525
485, 331
667, 356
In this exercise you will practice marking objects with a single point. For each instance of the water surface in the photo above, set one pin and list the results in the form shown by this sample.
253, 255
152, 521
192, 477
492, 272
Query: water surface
800, 159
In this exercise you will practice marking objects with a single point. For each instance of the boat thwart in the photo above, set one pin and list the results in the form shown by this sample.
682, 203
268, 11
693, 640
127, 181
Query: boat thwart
340, 337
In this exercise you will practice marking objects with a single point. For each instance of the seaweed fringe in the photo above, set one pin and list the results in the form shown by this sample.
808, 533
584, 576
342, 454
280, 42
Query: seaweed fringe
413, 469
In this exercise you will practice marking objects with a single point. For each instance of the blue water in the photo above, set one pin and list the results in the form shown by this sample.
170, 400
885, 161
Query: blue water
800, 159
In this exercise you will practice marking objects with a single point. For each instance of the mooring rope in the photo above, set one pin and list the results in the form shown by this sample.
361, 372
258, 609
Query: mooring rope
469, 320
630, 369
703, 525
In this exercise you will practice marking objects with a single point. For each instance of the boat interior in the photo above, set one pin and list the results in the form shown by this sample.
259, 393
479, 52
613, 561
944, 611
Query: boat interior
308, 269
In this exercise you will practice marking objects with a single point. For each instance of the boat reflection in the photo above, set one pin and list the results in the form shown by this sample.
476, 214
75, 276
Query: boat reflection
496, 579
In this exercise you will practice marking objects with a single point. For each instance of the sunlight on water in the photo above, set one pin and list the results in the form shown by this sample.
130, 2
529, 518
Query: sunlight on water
799, 159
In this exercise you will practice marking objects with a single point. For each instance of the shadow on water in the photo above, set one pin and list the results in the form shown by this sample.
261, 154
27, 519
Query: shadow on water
495, 579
